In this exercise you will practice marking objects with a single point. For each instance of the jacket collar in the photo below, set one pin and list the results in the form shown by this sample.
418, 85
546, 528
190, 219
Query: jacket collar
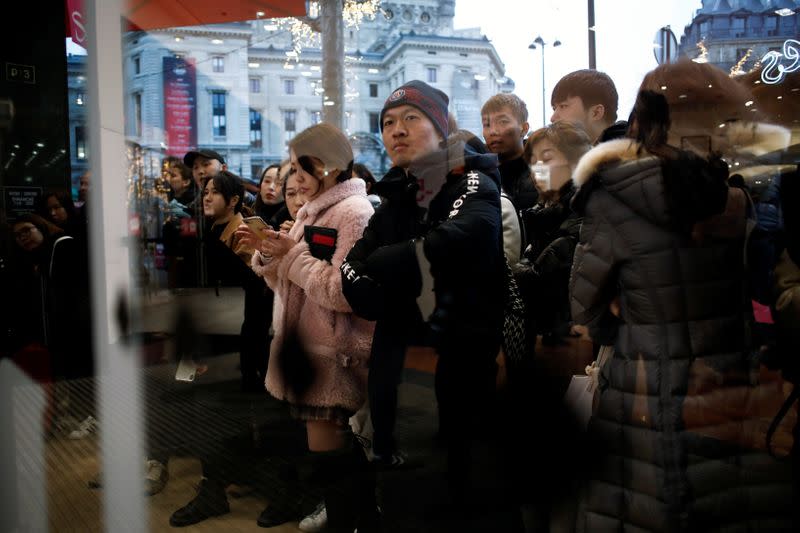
334, 195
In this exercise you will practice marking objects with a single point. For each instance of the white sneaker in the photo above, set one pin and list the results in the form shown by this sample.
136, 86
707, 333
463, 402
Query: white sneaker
156, 477
85, 428
316, 521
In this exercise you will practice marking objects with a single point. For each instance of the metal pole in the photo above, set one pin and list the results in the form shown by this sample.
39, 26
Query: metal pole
332, 26
592, 51
544, 119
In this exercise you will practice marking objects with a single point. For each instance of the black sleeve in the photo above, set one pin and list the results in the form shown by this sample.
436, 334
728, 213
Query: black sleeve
364, 294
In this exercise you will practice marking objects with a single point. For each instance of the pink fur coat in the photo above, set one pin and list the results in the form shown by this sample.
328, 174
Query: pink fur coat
310, 304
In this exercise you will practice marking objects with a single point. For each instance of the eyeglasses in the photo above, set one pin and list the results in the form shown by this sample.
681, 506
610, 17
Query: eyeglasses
24, 232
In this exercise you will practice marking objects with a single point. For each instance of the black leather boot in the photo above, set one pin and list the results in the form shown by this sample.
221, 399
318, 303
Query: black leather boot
209, 502
292, 502
350, 492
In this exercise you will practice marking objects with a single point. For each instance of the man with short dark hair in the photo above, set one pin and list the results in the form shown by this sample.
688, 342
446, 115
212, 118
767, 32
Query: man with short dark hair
505, 124
439, 226
589, 97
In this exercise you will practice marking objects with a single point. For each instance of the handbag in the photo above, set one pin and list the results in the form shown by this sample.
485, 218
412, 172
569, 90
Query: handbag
515, 336
582, 390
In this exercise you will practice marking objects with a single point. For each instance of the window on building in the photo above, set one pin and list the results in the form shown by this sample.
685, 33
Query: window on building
80, 142
704, 27
137, 114
771, 25
218, 122
255, 129
738, 26
374, 122
288, 86
137, 65
316, 117
402, 77
431, 75
373, 90
255, 172
218, 63
289, 122
79, 98
255, 85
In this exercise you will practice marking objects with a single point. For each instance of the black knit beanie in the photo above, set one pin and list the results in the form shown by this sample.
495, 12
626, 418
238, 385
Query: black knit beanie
430, 101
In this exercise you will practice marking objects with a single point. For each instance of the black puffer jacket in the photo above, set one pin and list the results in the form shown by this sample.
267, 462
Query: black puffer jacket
462, 236
671, 453
543, 274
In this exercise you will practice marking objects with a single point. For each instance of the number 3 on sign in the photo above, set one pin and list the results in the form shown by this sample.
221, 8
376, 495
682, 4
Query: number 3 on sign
774, 71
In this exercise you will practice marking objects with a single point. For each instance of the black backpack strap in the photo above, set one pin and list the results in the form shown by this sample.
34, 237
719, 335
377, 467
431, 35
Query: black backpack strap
795, 394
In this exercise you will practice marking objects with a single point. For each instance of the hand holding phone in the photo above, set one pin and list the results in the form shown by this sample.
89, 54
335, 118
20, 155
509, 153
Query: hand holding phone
259, 227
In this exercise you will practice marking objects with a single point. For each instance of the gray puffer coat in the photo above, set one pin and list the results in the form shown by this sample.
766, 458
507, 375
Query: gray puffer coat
671, 449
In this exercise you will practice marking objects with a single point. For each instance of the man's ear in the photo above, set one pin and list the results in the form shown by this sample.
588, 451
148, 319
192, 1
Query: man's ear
233, 201
597, 112
524, 129
224, 166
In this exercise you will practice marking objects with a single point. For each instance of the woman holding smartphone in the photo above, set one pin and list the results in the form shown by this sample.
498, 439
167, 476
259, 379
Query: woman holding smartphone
318, 358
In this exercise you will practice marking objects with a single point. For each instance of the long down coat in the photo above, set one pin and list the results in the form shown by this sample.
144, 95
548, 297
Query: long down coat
671, 441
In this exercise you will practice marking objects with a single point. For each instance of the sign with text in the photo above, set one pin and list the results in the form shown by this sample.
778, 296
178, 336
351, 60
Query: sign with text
20, 200
180, 105
75, 23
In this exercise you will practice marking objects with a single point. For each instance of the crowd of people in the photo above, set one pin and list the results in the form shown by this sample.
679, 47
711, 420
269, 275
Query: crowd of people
629, 234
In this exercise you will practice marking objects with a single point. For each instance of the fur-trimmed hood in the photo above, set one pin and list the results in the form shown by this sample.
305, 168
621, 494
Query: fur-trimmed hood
676, 192
751, 138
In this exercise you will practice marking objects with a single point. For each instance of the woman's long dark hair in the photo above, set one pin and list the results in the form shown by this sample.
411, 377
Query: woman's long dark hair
695, 188
49, 231
649, 123
229, 185
259, 207
66, 202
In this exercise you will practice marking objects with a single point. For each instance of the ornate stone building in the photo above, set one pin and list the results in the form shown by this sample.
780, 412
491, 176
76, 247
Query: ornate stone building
728, 29
252, 92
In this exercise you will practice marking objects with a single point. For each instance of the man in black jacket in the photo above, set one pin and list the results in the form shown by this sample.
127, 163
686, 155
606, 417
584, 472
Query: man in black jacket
505, 124
439, 227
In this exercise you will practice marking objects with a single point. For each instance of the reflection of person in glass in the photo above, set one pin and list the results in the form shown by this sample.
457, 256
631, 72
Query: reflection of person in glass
52, 283
658, 277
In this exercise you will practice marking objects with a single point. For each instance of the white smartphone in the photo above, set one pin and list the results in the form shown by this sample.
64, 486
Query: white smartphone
186, 369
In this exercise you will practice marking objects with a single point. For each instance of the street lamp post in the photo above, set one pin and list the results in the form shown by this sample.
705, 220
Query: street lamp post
539, 41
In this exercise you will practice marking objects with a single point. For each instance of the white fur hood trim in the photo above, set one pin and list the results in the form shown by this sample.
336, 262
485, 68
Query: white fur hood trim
603, 154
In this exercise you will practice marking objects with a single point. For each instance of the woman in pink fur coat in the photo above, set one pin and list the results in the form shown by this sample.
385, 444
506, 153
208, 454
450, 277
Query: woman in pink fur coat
319, 355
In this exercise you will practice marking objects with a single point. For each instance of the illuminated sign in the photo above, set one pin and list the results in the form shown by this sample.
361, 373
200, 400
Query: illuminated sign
774, 70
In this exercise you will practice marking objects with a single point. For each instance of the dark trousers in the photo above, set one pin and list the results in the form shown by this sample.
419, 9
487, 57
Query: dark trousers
255, 339
465, 391
385, 373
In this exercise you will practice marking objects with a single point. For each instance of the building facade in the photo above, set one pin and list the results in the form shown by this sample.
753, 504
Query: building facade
253, 90
738, 33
